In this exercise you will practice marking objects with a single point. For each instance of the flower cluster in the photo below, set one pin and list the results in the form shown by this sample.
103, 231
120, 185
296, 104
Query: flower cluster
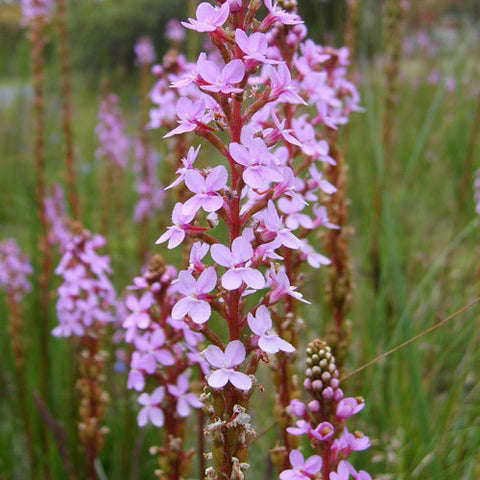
110, 130
33, 9
257, 100
165, 352
323, 421
56, 213
86, 296
151, 195
144, 51
14, 270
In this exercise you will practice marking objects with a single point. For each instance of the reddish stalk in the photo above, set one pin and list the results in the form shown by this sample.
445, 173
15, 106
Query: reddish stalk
67, 109
44, 253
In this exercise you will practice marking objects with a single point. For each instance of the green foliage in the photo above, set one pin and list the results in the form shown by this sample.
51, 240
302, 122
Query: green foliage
103, 33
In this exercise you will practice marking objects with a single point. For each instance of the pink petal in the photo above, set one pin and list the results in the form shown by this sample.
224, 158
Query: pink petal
214, 356
268, 344
221, 255
234, 71
157, 395
181, 308
240, 154
235, 353
242, 250
253, 278
313, 465
156, 417
195, 183
218, 379
183, 408
207, 280
212, 203
232, 279
200, 311
142, 418
264, 320
254, 326
192, 205
296, 459
217, 179
240, 380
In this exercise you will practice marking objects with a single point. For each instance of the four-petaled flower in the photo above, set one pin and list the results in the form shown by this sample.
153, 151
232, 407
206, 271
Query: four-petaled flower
238, 264
190, 113
226, 362
151, 410
268, 341
194, 302
176, 233
205, 190
302, 470
184, 400
219, 80
208, 18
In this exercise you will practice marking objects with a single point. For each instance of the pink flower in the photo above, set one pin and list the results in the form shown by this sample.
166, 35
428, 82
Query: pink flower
139, 318
281, 286
273, 223
187, 165
348, 407
226, 362
254, 46
208, 18
268, 341
221, 80
136, 379
151, 412
302, 470
190, 113
181, 222
260, 169
282, 87
205, 190
342, 473
196, 292
238, 264
184, 400
151, 345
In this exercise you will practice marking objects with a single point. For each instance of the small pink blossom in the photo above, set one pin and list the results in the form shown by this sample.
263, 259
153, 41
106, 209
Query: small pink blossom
184, 400
151, 411
191, 115
226, 362
268, 341
206, 190
176, 233
219, 80
209, 18
194, 302
302, 470
238, 264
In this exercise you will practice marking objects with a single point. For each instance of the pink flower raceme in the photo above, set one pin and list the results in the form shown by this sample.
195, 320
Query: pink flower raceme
226, 362
86, 296
14, 270
110, 130
144, 51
